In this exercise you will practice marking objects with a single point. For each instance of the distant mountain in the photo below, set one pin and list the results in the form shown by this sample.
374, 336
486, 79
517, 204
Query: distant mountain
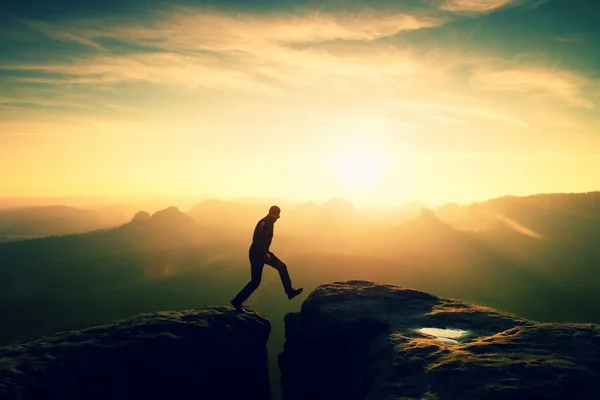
427, 237
407, 211
216, 212
338, 210
334, 212
167, 229
25, 222
63, 281
71, 201
556, 216
114, 203
169, 218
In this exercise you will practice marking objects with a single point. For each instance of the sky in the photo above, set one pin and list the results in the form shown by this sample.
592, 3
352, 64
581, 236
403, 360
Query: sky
378, 102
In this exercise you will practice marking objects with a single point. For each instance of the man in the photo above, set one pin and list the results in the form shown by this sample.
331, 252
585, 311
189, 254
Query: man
260, 255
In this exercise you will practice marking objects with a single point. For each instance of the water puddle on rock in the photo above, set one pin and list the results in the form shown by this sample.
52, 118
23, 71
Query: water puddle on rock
449, 336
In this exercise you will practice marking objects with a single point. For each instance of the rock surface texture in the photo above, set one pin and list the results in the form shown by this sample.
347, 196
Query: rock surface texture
210, 353
360, 340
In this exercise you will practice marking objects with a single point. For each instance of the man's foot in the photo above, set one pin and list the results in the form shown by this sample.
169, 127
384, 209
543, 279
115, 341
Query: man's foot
237, 305
294, 293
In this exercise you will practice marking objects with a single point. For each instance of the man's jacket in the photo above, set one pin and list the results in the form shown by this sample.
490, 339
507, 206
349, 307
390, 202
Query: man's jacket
263, 235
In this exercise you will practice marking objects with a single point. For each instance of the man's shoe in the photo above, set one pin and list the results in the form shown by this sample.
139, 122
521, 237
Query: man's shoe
294, 293
237, 305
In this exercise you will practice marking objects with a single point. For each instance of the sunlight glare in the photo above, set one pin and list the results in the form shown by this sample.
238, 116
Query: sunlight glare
359, 170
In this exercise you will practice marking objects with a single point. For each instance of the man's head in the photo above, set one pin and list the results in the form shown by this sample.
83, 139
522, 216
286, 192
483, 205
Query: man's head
274, 212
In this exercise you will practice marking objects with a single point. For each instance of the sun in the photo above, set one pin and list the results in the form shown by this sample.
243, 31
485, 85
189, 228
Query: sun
359, 170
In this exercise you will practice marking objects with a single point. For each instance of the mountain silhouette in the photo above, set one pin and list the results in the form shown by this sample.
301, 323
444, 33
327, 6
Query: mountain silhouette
549, 215
170, 220
141, 216
169, 261
217, 212
64, 282
39, 221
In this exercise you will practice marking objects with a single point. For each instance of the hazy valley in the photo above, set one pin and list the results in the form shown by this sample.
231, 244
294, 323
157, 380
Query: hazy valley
533, 256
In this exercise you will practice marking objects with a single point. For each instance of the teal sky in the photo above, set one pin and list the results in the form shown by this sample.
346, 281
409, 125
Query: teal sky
376, 101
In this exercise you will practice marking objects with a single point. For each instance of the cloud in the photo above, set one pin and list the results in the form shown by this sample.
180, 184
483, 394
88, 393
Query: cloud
201, 47
536, 4
465, 112
15, 102
184, 71
334, 58
570, 39
563, 85
74, 36
475, 6
185, 28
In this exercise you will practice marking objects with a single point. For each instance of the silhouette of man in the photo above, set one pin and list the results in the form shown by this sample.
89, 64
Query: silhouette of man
260, 255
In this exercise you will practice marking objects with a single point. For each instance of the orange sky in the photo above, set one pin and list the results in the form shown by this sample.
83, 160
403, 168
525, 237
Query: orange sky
379, 104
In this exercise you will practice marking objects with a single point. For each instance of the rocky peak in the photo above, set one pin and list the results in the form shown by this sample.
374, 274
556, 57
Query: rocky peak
361, 340
141, 216
338, 208
211, 353
170, 215
353, 340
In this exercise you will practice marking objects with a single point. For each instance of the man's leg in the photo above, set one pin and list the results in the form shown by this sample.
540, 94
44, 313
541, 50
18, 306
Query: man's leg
284, 275
256, 268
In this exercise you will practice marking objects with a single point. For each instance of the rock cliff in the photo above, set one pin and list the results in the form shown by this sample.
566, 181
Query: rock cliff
351, 340
359, 340
210, 353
